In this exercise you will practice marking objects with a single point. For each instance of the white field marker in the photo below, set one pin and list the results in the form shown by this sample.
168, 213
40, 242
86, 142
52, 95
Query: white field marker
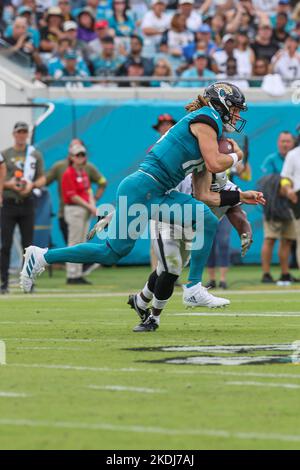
122, 388
2, 353
265, 384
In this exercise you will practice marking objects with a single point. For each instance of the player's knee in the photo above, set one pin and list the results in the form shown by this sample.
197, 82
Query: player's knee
174, 268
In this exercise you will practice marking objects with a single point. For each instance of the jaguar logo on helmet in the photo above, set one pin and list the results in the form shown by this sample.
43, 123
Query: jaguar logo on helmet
226, 98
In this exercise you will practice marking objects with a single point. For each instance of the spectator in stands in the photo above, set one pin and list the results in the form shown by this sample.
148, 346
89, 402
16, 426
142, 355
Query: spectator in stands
86, 25
121, 21
94, 47
193, 17
231, 74
25, 172
260, 69
199, 70
177, 37
264, 46
277, 229
220, 57
217, 29
162, 68
53, 31
280, 33
202, 36
27, 13
267, 7
55, 174
286, 62
136, 55
70, 29
56, 61
244, 55
134, 68
154, 24
107, 63
79, 206
65, 6
71, 68
21, 42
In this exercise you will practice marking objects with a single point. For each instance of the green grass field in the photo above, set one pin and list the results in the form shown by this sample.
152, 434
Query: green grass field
78, 378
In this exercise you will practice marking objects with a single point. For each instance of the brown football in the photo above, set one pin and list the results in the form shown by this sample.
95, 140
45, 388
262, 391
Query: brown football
225, 146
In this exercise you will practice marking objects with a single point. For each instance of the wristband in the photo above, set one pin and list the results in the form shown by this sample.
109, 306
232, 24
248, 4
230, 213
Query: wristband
229, 198
234, 157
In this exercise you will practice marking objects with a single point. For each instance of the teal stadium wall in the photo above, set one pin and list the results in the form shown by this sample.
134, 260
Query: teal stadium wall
118, 134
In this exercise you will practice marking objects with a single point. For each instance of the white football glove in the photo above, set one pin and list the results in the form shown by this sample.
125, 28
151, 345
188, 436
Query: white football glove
246, 242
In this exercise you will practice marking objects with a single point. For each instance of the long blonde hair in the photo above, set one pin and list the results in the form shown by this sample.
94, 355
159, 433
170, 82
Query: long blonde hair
198, 103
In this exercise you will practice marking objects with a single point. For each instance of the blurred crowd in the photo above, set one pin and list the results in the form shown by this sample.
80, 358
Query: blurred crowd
192, 41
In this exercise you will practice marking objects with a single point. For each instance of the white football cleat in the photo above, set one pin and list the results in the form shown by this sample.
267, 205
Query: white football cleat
34, 265
199, 296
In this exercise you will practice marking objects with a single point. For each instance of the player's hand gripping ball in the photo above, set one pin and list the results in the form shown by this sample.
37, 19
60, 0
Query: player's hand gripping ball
225, 146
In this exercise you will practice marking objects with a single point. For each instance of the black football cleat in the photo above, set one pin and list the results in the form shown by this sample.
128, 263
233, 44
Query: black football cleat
143, 314
147, 326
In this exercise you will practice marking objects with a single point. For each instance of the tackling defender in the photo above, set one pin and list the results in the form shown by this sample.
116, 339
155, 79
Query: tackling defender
173, 251
188, 147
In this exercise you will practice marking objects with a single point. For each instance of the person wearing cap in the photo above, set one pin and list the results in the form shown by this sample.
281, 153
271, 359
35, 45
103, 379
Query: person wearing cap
56, 63
108, 61
203, 35
221, 56
286, 61
79, 206
264, 46
55, 174
154, 24
200, 70
94, 47
193, 17
53, 31
70, 29
25, 172
72, 66
86, 25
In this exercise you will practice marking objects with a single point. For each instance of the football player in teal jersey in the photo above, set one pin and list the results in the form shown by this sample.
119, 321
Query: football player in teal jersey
188, 147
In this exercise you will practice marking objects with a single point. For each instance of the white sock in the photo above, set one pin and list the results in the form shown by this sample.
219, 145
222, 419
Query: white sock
147, 292
159, 304
141, 303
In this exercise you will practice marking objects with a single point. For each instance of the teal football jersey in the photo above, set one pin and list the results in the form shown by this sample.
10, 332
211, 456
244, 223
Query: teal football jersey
177, 153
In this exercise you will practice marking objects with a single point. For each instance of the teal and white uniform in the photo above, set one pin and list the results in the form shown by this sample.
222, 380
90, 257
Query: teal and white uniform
173, 157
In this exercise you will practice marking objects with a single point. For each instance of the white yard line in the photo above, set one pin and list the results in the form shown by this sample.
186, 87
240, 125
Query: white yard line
122, 388
264, 384
214, 314
54, 294
217, 433
13, 395
41, 348
167, 370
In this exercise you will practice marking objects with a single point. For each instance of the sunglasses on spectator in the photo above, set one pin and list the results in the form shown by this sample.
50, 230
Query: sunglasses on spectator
21, 131
81, 154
